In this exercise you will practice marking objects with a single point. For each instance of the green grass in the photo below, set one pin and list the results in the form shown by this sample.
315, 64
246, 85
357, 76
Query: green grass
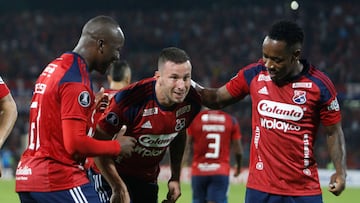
236, 193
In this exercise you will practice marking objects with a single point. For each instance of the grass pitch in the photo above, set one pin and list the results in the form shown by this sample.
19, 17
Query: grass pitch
236, 193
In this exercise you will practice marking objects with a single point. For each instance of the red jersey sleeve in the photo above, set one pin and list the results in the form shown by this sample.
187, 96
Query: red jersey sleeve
4, 90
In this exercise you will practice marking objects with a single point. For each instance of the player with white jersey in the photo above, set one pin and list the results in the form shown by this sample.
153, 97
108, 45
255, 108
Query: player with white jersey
290, 99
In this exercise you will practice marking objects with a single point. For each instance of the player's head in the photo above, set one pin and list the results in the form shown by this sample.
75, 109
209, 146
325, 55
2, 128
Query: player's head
173, 76
282, 49
119, 73
100, 43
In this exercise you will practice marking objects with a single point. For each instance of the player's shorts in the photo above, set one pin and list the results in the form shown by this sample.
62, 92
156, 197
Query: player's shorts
139, 190
101, 186
210, 188
256, 196
81, 194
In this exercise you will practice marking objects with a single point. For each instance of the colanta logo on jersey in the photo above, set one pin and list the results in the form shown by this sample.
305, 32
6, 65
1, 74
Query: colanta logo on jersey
280, 110
157, 140
84, 99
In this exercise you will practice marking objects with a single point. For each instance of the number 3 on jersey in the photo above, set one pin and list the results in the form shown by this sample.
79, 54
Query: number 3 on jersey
214, 145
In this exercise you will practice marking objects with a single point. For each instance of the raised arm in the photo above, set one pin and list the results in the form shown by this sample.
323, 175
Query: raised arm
336, 148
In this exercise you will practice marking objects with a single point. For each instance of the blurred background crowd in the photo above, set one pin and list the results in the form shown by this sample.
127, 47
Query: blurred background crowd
220, 36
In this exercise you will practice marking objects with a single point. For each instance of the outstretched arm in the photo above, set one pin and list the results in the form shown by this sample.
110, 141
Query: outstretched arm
336, 148
214, 98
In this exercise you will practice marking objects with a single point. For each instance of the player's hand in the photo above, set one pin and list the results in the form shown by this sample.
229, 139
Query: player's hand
101, 100
127, 143
174, 192
120, 196
237, 172
337, 184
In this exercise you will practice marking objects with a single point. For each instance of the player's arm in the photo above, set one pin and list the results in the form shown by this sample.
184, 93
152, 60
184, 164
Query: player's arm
107, 168
76, 141
187, 152
336, 148
214, 98
238, 152
8, 116
176, 148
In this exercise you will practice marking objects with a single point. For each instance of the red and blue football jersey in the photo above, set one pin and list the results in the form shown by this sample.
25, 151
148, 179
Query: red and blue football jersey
285, 120
212, 132
62, 91
153, 125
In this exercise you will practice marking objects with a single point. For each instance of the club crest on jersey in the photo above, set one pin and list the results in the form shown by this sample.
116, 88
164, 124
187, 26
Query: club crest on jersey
299, 97
180, 124
112, 118
84, 99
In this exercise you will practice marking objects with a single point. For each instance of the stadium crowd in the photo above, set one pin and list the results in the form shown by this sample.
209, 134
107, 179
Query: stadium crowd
219, 40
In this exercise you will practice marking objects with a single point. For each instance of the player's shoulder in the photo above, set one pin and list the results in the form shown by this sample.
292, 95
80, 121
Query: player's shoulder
137, 91
319, 77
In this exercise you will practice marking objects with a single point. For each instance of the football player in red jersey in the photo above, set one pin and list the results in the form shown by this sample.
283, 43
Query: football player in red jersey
290, 99
211, 136
118, 77
8, 113
156, 111
51, 168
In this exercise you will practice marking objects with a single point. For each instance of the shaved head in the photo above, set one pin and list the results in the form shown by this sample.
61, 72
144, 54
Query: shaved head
100, 27
100, 43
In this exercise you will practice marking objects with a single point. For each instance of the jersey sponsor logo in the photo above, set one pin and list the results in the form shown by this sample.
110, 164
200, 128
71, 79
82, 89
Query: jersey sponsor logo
112, 118
151, 111
180, 124
213, 128
263, 77
183, 110
278, 125
280, 110
23, 172
263, 90
84, 99
302, 85
299, 97
147, 124
159, 141
144, 152
208, 167
334, 105
213, 118
40, 88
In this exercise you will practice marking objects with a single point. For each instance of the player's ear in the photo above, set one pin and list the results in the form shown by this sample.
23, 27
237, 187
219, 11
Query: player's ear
157, 74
